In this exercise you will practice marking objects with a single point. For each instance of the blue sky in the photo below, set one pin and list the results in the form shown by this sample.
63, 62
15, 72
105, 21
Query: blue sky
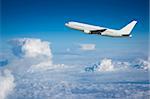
45, 19
31, 68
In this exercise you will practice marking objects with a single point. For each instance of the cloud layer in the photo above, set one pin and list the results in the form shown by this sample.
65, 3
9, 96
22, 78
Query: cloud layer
37, 77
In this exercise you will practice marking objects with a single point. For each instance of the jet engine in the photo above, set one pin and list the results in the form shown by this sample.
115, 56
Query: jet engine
87, 31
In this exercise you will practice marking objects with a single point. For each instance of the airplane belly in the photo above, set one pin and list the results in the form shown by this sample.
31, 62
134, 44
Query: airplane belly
111, 33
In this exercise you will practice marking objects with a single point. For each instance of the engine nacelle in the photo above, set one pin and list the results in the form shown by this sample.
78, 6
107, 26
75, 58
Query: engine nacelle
87, 31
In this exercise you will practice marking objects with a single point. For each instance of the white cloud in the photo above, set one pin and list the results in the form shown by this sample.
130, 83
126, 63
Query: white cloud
46, 65
70, 82
33, 52
87, 47
31, 47
142, 64
106, 65
111, 65
6, 83
36, 55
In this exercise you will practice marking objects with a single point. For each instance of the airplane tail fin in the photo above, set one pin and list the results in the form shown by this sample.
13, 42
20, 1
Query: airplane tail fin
128, 28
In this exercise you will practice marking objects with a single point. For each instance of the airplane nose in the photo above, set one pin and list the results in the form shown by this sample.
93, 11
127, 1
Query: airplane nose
66, 24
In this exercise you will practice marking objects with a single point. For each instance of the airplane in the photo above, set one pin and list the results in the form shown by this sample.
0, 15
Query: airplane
91, 29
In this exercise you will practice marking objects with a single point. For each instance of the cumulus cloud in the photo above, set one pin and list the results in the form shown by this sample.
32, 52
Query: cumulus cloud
6, 83
34, 53
142, 64
87, 47
31, 47
106, 65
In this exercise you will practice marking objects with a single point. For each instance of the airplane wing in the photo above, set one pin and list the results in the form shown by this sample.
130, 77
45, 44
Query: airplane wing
97, 31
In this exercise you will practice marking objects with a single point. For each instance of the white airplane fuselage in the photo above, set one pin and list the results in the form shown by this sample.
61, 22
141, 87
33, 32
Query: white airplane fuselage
91, 29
